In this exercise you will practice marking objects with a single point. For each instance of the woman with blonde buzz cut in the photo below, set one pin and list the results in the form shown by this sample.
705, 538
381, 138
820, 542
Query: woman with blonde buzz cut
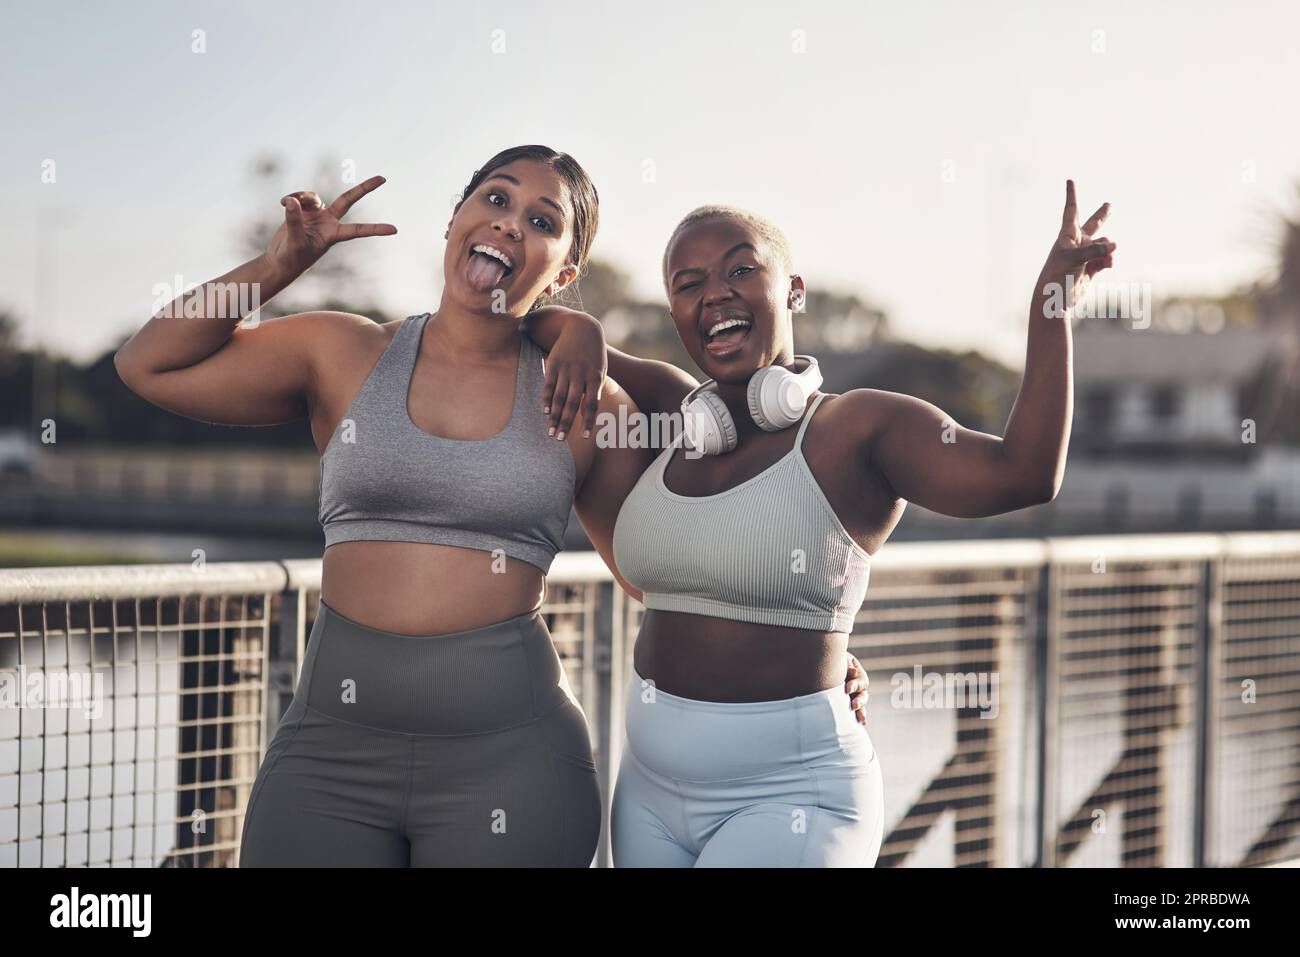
752, 555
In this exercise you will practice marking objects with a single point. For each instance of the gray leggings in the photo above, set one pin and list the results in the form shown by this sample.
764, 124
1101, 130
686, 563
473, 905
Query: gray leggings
460, 750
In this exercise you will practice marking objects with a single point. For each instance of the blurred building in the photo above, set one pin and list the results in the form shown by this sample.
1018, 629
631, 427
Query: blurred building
1163, 393
1178, 431
1187, 422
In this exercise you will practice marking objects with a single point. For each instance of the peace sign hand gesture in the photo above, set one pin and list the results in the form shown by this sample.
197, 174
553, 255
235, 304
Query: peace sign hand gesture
310, 227
1076, 256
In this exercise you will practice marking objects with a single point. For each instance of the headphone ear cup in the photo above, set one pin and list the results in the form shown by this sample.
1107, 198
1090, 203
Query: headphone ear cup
777, 397
713, 427
767, 379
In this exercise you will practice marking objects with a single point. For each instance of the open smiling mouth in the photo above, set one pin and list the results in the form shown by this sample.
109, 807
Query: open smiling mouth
487, 267
725, 335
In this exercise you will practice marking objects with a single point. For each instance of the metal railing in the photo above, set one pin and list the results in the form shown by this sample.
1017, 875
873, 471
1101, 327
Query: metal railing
203, 475
1108, 701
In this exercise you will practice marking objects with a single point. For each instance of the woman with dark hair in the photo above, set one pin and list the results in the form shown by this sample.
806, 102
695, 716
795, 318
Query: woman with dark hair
752, 554
432, 723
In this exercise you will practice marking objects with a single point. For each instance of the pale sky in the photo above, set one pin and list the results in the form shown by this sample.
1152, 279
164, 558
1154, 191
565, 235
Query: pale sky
842, 122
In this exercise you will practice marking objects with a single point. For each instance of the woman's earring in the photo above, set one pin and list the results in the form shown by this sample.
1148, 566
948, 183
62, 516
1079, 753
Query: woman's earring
797, 304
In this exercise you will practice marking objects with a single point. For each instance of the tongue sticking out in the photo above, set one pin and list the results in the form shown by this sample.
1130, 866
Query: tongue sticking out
729, 337
484, 272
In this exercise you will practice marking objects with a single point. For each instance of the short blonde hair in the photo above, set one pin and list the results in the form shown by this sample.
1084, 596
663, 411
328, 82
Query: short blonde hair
765, 228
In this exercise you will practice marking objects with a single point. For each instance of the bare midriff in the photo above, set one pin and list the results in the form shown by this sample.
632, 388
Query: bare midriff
718, 659
411, 588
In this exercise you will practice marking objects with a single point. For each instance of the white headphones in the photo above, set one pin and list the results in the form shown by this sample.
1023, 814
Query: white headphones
777, 398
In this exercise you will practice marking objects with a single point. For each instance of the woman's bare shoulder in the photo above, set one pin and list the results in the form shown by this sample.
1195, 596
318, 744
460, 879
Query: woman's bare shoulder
334, 337
853, 417
343, 347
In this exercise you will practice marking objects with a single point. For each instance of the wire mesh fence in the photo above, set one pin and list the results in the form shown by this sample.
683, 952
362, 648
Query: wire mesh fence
1116, 702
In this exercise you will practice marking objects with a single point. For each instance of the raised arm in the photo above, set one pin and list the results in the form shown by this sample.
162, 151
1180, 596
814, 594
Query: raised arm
193, 358
577, 364
929, 459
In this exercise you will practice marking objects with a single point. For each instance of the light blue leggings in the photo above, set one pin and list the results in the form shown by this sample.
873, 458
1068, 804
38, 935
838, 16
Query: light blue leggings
789, 783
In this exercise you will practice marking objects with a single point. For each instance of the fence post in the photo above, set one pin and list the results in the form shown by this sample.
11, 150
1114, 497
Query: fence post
284, 656
1044, 673
1209, 621
601, 608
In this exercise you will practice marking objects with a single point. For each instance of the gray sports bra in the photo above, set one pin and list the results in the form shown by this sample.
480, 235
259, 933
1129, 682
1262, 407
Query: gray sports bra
383, 478
770, 550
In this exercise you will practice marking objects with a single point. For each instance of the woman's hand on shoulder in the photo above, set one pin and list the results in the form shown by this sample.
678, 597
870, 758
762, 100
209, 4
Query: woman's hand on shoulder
575, 373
